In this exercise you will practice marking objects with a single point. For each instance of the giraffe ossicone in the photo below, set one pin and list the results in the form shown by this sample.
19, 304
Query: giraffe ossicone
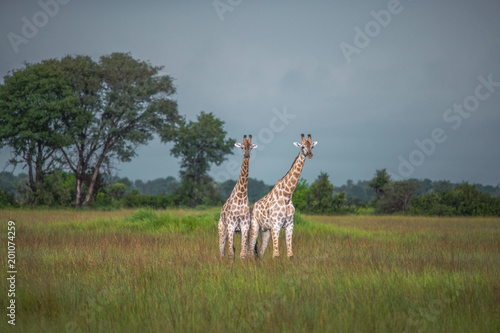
235, 214
275, 210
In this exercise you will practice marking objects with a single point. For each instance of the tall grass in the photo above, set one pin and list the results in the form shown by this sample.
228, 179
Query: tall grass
156, 271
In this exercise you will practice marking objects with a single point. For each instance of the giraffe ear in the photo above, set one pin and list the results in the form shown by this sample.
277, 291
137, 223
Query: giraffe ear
314, 144
254, 146
238, 145
296, 144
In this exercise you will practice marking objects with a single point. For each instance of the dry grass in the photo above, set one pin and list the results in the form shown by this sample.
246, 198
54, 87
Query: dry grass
158, 271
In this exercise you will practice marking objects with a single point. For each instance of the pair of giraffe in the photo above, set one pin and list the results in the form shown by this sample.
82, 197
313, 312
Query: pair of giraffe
270, 214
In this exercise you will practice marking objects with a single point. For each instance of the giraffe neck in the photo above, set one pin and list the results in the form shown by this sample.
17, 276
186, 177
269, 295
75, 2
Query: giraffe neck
288, 183
241, 186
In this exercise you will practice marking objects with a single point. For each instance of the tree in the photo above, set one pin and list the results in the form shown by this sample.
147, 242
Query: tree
117, 190
301, 196
200, 144
256, 189
321, 194
122, 103
397, 196
36, 106
379, 181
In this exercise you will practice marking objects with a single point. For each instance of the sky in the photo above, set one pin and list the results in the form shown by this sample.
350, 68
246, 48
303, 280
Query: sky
410, 86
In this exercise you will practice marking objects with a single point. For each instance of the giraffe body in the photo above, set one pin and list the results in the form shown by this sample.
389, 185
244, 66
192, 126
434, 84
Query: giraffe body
275, 210
235, 214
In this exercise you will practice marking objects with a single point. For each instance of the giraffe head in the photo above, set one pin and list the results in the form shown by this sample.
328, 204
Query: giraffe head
306, 145
246, 146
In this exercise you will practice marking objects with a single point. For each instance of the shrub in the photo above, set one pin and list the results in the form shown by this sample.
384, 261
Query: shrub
7, 200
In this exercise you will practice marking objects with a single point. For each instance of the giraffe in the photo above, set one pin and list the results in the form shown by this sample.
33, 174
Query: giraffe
235, 214
275, 210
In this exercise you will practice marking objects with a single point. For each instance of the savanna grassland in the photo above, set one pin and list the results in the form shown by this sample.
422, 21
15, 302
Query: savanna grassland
152, 271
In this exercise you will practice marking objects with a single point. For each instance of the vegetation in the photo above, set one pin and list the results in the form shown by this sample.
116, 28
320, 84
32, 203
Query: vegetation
200, 144
66, 121
151, 271
256, 189
459, 200
411, 197
78, 115
123, 102
34, 104
319, 197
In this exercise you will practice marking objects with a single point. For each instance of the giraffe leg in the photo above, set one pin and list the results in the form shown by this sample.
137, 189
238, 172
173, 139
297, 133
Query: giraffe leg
276, 235
222, 237
230, 239
244, 240
254, 233
265, 236
288, 234
251, 251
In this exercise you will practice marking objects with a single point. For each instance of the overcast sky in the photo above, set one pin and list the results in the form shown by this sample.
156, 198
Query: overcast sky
411, 86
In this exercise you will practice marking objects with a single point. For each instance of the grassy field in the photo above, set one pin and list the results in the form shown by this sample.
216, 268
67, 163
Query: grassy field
152, 271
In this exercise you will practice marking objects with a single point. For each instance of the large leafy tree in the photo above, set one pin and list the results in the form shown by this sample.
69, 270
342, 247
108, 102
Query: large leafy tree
199, 144
378, 182
37, 109
123, 101
322, 195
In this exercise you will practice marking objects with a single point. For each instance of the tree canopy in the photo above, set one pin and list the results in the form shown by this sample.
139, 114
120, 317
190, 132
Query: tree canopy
36, 107
199, 144
123, 102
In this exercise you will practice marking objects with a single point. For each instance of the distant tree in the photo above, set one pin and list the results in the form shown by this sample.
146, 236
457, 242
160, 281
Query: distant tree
36, 104
443, 186
200, 144
379, 181
322, 195
8, 182
117, 190
256, 189
7, 199
302, 196
466, 199
397, 196
139, 186
225, 188
339, 202
162, 186
122, 103
157, 186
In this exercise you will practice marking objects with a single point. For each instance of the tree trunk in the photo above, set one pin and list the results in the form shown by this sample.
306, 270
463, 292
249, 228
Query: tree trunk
78, 198
194, 198
90, 191
29, 162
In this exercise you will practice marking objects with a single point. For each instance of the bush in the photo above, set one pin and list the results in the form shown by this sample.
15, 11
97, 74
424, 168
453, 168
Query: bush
7, 200
463, 200
397, 196
134, 200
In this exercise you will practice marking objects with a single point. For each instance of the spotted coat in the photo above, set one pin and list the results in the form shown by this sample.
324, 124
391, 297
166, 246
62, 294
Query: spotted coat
235, 214
275, 210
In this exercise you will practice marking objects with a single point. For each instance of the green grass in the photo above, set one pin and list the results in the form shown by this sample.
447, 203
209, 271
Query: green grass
152, 271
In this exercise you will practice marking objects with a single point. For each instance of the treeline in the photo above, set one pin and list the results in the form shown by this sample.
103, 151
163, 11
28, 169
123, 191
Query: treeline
381, 195
433, 198
67, 121
114, 192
